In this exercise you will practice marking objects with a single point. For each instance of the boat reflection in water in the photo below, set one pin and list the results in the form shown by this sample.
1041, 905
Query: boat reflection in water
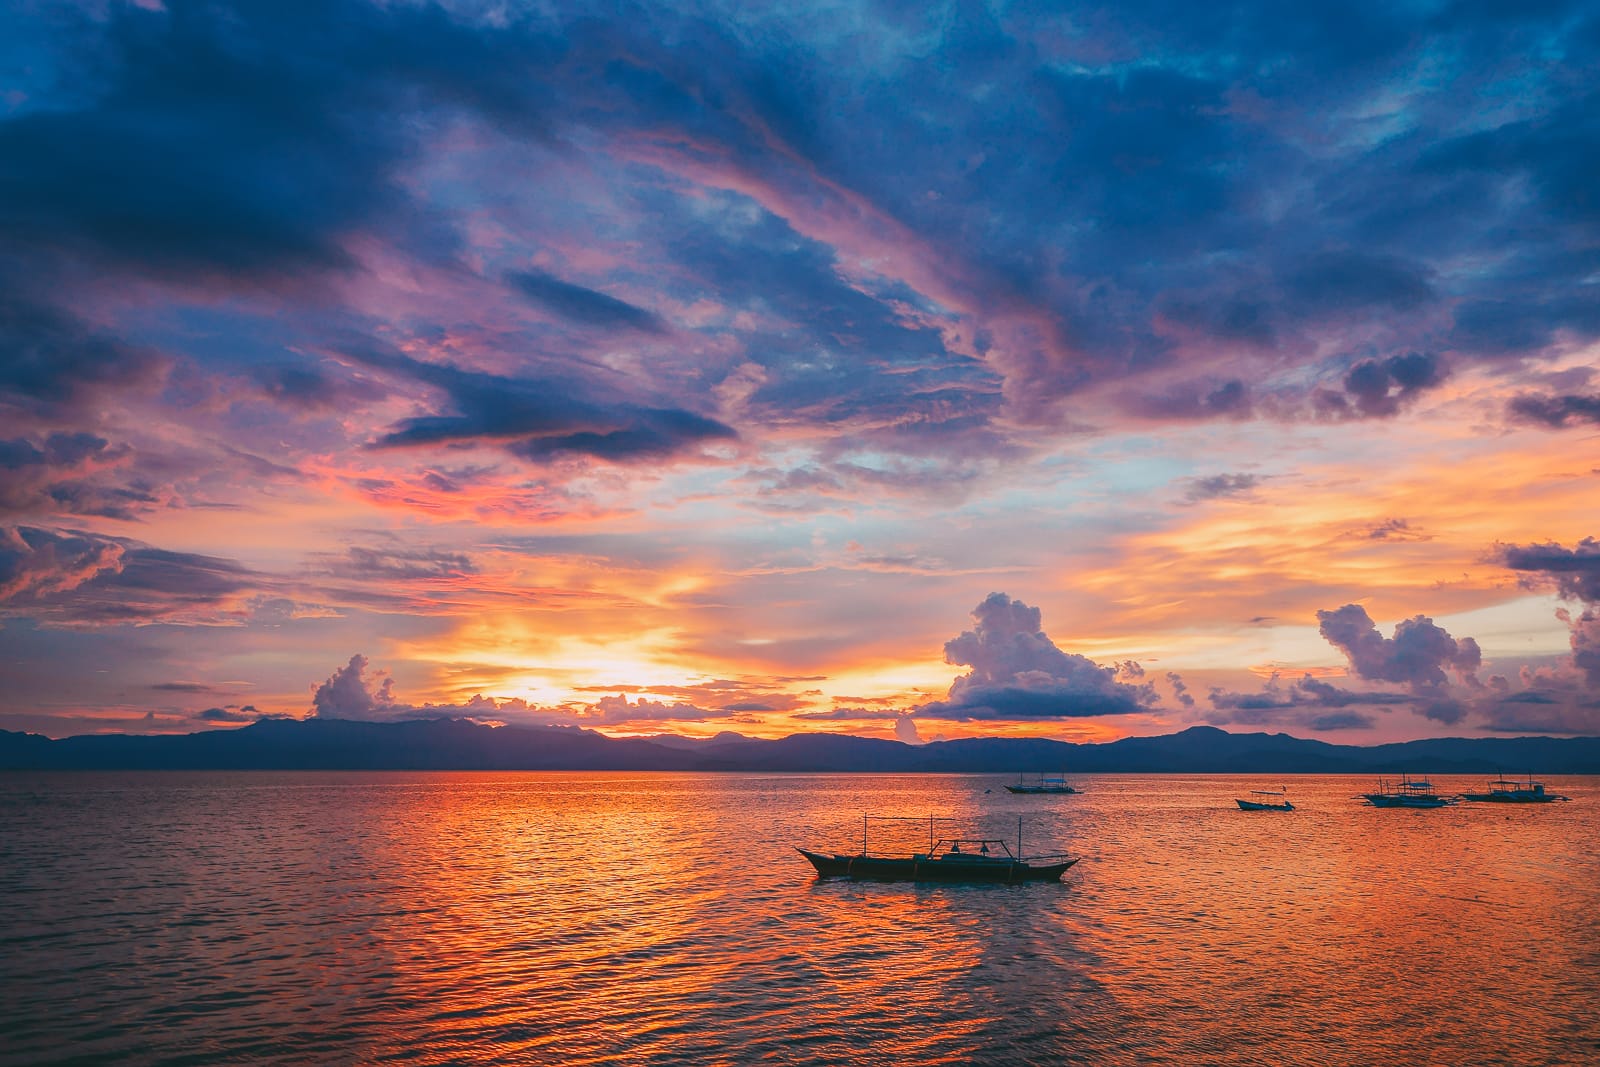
947, 859
1503, 791
1407, 793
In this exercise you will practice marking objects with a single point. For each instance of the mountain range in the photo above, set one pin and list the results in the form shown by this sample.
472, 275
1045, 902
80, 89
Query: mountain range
460, 744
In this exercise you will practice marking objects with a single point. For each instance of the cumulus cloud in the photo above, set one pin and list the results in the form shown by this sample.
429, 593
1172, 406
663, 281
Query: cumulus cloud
1574, 572
1416, 655
347, 695
1019, 673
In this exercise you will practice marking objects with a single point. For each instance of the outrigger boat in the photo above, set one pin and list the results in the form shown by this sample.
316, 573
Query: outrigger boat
1408, 793
1281, 804
948, 859
1047, 783
1504, 791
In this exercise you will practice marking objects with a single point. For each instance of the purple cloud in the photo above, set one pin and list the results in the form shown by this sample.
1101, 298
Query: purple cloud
1574, 572
1019, 673
1416, 655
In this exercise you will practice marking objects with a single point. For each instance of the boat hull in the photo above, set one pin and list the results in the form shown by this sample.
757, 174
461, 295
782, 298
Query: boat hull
933, 869
1256, 805
1387, 800
1508, 798
1040, 789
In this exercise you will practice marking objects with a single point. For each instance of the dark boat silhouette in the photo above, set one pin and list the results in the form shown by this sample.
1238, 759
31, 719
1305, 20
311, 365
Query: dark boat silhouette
948, 859
1504, 791
1281, 803
1046, 783
1409, 792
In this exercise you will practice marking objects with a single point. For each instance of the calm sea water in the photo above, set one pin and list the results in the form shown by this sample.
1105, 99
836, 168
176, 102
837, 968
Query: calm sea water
666, 918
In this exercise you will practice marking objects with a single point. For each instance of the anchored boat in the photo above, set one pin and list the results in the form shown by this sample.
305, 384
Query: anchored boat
1505, 791
948, 859
1407, 793
1046, 783
1267, 800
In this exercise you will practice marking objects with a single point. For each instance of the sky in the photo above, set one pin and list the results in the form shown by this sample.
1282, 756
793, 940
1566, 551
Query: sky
916, 370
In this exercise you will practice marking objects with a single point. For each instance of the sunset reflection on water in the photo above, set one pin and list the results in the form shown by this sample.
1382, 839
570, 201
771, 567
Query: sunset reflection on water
659, 918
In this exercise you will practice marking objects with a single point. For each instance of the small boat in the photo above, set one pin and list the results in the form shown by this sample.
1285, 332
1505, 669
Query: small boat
1504, 791
1407, 793
1046, 783
948, 859
1264, 803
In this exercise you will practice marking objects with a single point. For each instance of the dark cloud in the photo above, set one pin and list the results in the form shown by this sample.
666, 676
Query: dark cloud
1351, 280
1555, 411
587, 307
1196, 400
63, 473
1380, 389
1180, 690
74, 578
311, 388
229, 715
1341, 720
247, 139
540, 419
1220, 485
1019, 673
1574, 572
1416, 655
49, 359
1300, 704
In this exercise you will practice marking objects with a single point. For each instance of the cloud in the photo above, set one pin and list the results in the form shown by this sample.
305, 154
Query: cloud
1574, 572
1299, 705
63, 473
614, 710
586, 307
1416, 655
1380, 389
1019, 673
315, 388
80, 579
540, 418
364, 563
346, 695
1555, 411
50, 360
1220, 485
39, 564
229, 715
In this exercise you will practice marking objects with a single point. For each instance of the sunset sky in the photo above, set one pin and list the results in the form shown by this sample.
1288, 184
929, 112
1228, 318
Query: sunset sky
913, 370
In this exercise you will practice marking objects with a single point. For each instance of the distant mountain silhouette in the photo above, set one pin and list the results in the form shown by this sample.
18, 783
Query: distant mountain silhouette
458, 744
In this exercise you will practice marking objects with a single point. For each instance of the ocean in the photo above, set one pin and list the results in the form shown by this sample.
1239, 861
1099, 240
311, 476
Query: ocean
617, 918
